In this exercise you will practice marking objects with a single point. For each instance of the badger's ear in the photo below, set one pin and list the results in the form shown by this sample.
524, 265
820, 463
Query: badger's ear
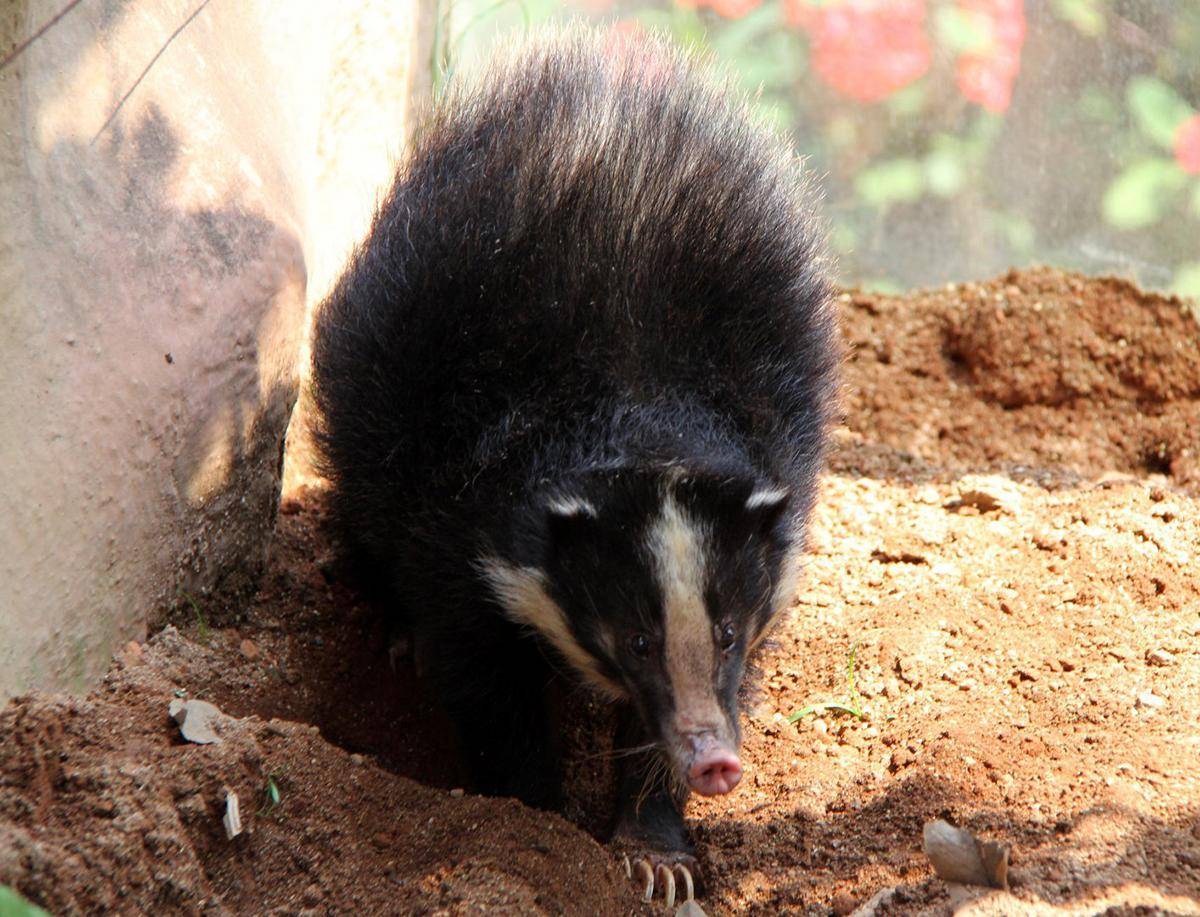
566, 516
766, 505
570, 508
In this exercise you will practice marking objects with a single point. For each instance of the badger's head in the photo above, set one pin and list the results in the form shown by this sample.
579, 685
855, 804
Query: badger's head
655, 588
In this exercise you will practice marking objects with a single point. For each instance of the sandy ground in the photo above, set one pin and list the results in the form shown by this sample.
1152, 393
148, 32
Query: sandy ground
1006, 547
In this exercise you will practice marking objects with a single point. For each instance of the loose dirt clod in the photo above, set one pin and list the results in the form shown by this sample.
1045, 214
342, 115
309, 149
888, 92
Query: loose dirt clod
1148, 700
1159, 657
958, 856
989, 492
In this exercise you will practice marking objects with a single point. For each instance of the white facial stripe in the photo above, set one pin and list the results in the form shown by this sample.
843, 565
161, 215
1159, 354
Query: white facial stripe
678, 546
572, 506
772, 497
522, 593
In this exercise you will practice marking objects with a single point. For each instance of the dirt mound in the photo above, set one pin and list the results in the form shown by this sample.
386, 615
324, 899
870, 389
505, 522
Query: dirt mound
104, 809
1004, 556
1040, 369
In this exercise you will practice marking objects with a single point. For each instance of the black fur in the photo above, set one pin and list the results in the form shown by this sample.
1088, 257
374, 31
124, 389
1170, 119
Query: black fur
593, 277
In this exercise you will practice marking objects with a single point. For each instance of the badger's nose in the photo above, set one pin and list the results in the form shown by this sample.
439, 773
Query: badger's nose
715, 767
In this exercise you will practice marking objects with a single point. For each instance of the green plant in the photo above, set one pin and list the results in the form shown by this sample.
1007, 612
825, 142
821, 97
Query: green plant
202, 629
272, 796
852, 705
13, 905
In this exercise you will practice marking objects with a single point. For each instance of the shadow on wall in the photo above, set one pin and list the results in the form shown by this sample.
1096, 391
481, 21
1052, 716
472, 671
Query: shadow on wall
148, 371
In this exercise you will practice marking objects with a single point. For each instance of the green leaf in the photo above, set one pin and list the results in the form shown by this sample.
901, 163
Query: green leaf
827, 708
961, 32
1187, 280
1157, 108
1086, 15
889, 182
944, 172
1139, 195
738, 36
908, 101
13, 905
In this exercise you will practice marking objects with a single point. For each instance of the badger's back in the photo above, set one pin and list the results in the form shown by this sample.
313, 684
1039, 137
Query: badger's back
590, 251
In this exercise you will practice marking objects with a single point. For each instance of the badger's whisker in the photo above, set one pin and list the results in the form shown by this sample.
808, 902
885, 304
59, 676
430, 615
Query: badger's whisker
612, 753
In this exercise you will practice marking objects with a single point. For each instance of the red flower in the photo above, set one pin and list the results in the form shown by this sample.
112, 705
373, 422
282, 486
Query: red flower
1187, 145
866, 49
730, 9
987, 76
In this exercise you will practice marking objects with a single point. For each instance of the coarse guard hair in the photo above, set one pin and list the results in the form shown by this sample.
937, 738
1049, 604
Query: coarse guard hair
588, 234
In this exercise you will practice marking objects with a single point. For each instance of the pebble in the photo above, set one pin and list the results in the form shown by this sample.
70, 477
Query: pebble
990, 492
357, 759
196, 719
457, 792
843, 903
1150, 701
249, 649
313, 895
1159, 657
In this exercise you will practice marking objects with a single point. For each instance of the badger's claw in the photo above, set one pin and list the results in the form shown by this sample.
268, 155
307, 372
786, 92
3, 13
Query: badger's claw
671, 872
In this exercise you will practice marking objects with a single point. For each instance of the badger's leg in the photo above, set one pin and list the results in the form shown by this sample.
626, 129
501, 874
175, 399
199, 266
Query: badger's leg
494, 688
649, 828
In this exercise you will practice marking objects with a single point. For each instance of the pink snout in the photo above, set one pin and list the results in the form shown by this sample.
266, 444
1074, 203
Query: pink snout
715, 767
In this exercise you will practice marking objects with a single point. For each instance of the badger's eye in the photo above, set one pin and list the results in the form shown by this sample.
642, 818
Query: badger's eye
639, 645
727, 635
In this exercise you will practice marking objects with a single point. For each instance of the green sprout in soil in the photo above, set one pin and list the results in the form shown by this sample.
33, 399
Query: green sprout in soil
271, 795
13, 905
852, 705
202, 631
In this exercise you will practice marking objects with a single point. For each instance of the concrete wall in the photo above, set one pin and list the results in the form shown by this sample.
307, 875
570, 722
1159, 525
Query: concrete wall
180, 181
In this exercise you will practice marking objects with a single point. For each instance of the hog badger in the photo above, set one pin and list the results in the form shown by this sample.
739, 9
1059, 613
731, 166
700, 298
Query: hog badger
573, 392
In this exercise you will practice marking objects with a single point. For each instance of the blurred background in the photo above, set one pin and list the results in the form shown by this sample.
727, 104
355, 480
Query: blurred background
952, 138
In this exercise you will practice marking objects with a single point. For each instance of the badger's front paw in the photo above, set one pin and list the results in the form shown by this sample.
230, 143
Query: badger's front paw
675, 875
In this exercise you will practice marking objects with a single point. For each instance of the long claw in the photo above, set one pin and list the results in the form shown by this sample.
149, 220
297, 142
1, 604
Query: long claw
685, 877
628, 868
641, 867
666, 878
